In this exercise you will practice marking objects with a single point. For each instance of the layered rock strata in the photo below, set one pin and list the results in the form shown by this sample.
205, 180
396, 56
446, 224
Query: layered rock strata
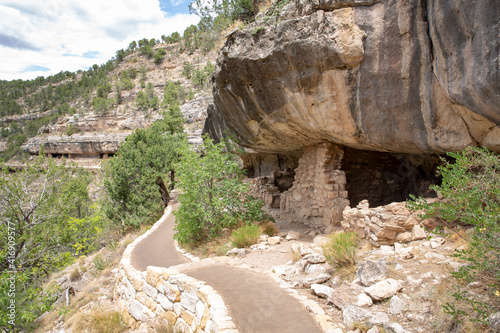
100, 145
374, 75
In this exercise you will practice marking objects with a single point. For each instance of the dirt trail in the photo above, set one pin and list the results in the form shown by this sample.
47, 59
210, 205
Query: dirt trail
255, 302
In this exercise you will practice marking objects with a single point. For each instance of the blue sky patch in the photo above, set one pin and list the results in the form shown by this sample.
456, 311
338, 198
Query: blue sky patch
35, 68
175, 6
91, 54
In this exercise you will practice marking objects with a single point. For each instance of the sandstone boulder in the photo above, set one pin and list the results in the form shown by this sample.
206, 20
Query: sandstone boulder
383, 289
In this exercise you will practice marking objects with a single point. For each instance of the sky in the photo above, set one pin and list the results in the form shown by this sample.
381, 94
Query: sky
41, 38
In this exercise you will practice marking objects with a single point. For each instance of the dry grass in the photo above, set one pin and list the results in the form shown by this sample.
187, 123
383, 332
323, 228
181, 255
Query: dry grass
75, 275
269, 228
296, 257
216, 247
460, 238
340, 249
265, 5
99, 320
442, 294
163, 327
246, 236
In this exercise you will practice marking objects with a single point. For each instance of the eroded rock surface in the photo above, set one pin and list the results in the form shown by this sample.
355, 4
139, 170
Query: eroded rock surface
399, 76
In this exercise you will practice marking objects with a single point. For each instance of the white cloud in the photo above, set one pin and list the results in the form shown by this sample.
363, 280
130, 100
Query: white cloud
56, 34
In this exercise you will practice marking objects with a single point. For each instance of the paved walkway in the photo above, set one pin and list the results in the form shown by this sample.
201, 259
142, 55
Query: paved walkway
255, 302
158, 248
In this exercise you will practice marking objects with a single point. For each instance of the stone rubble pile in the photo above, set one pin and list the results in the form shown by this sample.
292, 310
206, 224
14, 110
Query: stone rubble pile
384, 225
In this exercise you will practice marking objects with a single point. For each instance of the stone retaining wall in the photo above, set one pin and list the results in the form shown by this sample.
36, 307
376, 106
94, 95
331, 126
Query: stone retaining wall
164, 295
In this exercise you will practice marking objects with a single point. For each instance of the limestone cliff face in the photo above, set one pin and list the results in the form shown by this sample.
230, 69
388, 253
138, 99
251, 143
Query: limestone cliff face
412, 76
83, 145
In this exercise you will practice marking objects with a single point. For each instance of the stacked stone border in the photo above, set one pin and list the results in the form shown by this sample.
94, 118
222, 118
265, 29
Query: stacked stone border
164, 294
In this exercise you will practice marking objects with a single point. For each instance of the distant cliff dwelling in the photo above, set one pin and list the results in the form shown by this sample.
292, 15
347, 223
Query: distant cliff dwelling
99, 146
328, 177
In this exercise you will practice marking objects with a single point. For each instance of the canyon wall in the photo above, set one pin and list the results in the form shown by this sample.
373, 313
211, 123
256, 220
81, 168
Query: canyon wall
410, 76
393, 82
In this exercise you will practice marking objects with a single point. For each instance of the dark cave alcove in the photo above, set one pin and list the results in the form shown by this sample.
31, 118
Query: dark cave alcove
382, 178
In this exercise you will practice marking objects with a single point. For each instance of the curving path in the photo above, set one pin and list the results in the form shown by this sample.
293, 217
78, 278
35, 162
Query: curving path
255, 302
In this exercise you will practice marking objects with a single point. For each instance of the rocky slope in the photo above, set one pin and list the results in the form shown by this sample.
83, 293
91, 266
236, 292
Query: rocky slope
417, 76
97, 135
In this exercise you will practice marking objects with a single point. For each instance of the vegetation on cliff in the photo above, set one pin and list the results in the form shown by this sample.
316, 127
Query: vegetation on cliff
470, 195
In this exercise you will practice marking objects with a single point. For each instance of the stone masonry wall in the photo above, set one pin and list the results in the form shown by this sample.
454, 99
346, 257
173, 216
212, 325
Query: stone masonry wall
318, 194
164, 294
385, 225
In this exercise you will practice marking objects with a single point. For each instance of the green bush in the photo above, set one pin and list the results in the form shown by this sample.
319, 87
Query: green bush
246, 235
470, 193
340, 250
188, 69
159, 55
212, 194
72, 129
137, 177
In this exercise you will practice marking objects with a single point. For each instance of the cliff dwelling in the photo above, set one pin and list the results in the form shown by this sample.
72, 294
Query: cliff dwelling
316, 187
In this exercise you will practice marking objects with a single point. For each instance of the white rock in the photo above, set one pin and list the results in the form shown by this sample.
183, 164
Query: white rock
305, 250
352, 314
314, 258
437, 242
416, 282
418, 232
316, 268
322, 290
364, 301
293, 235
386, 249
434, 255
397, 305
315, 278
280, 270
336, 330
240, 253
494, 321
320, 240
407, 253
373, 330
263, 238
165, 302
383, 289
295, 248
378, 318
314, 307
371, 272
274, 240
395, 327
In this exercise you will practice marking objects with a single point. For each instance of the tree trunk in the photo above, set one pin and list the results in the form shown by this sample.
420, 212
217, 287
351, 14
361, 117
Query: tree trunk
165, 196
